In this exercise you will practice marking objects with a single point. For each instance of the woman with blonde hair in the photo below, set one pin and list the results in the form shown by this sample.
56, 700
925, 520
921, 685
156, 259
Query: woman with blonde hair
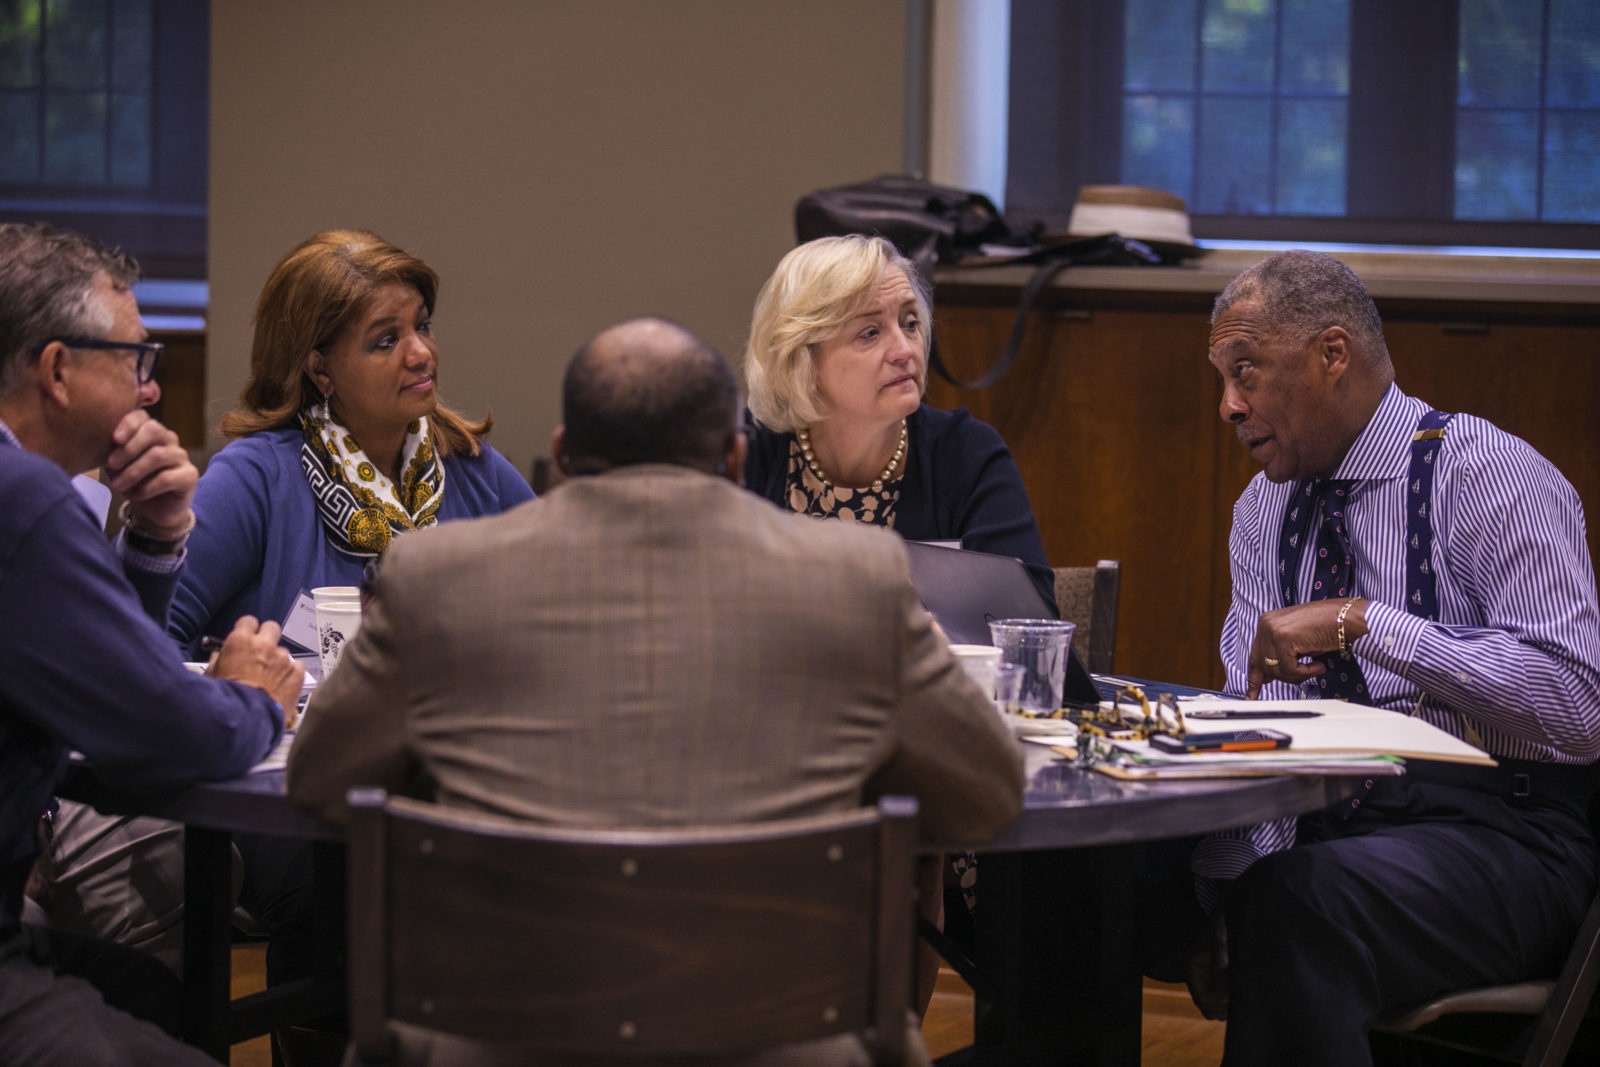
836, 367
340, 441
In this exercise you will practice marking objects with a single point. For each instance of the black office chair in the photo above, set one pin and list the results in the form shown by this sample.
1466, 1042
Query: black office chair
631, 943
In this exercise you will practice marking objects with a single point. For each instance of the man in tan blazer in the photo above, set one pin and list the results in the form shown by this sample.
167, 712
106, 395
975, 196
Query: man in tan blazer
648, 644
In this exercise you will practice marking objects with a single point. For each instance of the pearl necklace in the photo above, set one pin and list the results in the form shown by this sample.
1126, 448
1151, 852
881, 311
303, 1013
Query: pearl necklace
803, 435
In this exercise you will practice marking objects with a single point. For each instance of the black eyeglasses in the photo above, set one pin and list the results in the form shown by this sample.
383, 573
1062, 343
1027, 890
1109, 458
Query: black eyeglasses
148, 352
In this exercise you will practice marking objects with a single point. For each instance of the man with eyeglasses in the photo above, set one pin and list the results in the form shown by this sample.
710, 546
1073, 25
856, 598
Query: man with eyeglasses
85, 663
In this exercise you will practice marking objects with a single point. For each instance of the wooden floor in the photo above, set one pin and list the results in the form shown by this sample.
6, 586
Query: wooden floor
1175, 1034
250, 976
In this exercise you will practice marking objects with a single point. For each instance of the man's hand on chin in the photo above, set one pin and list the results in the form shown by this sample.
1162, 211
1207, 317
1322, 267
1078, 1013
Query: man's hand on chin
150, 468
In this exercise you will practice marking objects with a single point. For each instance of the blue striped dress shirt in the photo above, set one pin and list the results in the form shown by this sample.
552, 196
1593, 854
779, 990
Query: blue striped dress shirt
1512, 665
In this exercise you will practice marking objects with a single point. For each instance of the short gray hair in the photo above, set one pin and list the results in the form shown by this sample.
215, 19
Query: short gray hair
47, 282
816, 290
1299, 294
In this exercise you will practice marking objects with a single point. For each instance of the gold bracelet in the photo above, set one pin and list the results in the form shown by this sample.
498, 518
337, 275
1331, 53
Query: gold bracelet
1348, 604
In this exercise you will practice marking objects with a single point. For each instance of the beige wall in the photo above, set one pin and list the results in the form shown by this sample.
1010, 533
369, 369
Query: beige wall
562, 164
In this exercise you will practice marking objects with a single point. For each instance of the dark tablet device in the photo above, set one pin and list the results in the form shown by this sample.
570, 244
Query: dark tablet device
965, 590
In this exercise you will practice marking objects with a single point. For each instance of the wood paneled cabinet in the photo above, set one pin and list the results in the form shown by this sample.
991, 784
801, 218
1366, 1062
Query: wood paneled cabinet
1111, 410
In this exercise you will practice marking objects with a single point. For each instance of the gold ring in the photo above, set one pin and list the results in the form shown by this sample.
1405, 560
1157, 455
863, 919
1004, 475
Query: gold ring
1269, 662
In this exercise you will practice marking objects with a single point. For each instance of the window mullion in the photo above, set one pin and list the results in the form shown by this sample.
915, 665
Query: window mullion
1401, 161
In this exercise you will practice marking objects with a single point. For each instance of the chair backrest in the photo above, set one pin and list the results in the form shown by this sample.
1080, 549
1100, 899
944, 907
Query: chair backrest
1088, 597
630, 942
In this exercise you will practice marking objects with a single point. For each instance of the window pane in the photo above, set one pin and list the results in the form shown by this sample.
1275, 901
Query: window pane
1159, 45
19, 44
1571, 152
1235, 157
1574, 76
19, 137
1316, 46
130, 140
75, 44
1497, 165
1158, 142
1311, 157
75, 138
1236, 46
130, 45
1499, 59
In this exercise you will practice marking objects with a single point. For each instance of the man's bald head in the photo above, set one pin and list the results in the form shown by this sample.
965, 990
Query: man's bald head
647, 391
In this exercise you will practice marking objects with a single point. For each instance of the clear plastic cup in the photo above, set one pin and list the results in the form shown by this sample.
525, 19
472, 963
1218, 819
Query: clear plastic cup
1008, 679
1040, 646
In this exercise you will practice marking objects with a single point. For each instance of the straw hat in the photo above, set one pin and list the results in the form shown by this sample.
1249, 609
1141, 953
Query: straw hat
1156, 217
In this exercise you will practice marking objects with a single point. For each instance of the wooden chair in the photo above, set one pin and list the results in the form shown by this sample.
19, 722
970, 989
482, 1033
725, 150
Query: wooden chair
630, 943
1088, 597
1553, 1010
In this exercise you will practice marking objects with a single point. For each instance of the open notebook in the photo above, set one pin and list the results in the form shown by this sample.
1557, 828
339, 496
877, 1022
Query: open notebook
966, 590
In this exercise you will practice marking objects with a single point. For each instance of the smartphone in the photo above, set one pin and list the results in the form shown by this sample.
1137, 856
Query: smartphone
1221, 741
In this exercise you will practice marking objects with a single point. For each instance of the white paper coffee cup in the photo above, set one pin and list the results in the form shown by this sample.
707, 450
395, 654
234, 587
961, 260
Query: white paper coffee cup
337, 623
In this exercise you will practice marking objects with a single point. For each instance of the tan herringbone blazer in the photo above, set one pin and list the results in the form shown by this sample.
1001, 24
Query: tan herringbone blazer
654, 646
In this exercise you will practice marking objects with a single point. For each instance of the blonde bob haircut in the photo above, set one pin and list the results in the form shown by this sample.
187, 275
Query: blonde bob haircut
815, 292
316, 293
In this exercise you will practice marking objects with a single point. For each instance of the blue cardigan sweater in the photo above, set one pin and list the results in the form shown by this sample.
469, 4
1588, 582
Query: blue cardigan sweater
960, 484
258, 539
84, 665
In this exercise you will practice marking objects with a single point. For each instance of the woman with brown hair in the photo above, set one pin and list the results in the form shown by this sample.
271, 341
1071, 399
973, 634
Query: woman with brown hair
341, 441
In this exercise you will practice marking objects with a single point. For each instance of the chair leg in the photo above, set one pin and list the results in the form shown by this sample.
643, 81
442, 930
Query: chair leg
1569, 1000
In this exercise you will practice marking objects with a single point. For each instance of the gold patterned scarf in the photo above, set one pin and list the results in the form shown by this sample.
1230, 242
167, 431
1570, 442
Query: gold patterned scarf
361, 508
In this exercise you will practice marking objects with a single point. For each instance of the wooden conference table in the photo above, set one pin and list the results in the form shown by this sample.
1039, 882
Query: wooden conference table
1058, 935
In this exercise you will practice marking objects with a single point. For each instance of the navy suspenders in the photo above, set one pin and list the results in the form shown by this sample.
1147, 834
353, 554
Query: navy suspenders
1422, 596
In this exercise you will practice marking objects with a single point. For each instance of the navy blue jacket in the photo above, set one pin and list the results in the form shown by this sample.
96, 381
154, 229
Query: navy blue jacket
85, 664
960, 484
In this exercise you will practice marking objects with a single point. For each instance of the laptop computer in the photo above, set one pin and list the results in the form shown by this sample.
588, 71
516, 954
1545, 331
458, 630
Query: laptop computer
964, 590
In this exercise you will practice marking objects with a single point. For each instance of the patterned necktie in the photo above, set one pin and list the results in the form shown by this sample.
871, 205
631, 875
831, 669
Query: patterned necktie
1331, 576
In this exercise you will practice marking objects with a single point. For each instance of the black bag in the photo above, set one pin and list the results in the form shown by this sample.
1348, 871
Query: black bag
928, 223
932, 224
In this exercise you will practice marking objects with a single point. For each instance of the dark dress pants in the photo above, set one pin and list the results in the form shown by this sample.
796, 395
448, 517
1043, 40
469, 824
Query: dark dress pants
51, 1017
1418, 889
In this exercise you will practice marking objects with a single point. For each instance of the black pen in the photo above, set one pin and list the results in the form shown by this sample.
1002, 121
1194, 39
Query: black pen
1229, 713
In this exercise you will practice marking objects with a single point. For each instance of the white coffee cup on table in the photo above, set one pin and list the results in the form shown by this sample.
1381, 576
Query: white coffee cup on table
979, 661
337, 623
